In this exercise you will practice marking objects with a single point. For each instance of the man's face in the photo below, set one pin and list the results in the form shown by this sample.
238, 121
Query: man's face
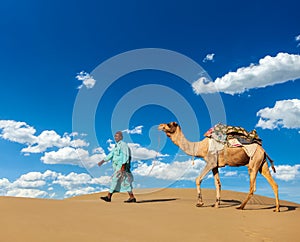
118, 137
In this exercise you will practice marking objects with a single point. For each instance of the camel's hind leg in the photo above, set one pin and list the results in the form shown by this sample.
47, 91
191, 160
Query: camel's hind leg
266, 173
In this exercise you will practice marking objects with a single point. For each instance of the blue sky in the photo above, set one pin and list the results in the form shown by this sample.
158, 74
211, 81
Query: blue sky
72, 73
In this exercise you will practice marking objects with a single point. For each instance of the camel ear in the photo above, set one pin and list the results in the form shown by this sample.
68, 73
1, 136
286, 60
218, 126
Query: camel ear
174, 124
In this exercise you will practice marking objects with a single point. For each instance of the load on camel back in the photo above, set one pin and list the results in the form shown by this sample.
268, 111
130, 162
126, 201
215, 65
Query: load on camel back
226, 146
231, 134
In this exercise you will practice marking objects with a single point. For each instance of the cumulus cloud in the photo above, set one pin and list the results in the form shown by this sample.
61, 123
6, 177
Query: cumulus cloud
285, 113
69, 147
231, 173
78, 192
141, 153
268, 72
209, 57
23, 133
50, 138
40, 185
33, 193
19, 132
287, 172
171, 171
72, 156
73, 180
87, 80
136, 130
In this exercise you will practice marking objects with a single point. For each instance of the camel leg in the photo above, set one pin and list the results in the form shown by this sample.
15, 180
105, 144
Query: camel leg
253, 174
211, 160
266, 173
218, 186
199, 179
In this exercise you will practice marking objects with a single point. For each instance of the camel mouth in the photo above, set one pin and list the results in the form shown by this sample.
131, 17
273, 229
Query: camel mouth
161, 127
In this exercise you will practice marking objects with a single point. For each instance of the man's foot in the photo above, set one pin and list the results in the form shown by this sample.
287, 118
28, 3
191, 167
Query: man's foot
106, 199
130, 200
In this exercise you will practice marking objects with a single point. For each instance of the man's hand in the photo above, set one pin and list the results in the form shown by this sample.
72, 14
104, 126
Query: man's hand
100, 163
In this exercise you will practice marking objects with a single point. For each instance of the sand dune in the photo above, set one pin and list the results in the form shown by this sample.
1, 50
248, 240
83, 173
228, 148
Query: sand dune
161, 215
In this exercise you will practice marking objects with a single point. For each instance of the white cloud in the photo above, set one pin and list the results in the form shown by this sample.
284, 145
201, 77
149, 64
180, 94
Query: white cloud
98, 150
22, 133
50, 138
136, 130
34, 179
269, 71
72, 156
79, 184
285, 113
81, 191
33, 193
27, 185
103, 180
209, 57
4, 184
87, 80
19, 132
287, 172
38, 185
231, 173
73, 180
141, 153
68, 145
173, 171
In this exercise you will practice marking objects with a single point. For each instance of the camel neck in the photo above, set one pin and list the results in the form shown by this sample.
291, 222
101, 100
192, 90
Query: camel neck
190, 148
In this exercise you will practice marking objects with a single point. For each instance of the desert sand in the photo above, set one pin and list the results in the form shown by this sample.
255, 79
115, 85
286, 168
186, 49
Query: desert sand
159, 215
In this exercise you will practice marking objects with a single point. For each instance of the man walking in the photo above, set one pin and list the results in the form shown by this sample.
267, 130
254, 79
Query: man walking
122, 178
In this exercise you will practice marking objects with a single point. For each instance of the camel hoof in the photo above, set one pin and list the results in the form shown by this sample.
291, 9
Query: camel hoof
199, 205
216, 205
240, 208
276, 210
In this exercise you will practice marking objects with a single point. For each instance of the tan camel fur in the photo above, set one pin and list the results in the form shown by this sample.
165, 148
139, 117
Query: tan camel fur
229, 156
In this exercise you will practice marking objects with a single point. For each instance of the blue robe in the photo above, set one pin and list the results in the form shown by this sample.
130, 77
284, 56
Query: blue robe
121, 181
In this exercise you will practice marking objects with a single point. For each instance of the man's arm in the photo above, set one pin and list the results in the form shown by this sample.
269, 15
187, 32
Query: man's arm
107, 158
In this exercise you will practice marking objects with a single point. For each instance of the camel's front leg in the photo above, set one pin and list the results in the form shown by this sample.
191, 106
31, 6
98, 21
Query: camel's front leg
211, 160
199, 179
253, 174
218, 186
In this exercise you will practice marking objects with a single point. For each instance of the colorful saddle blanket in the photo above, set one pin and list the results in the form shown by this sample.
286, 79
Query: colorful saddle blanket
223, 133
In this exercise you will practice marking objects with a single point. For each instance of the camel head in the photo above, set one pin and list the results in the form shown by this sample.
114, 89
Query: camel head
169, 128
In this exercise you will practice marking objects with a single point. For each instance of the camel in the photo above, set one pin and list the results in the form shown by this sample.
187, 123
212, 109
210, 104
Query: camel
228, 156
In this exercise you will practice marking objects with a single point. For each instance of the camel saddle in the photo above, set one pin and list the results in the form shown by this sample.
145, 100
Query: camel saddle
223, 133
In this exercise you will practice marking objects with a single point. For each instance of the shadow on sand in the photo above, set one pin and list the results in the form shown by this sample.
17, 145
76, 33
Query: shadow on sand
232, 203
157, 200
283, 208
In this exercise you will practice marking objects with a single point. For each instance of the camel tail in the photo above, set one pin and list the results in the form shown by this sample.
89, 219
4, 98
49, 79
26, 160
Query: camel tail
272, 163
